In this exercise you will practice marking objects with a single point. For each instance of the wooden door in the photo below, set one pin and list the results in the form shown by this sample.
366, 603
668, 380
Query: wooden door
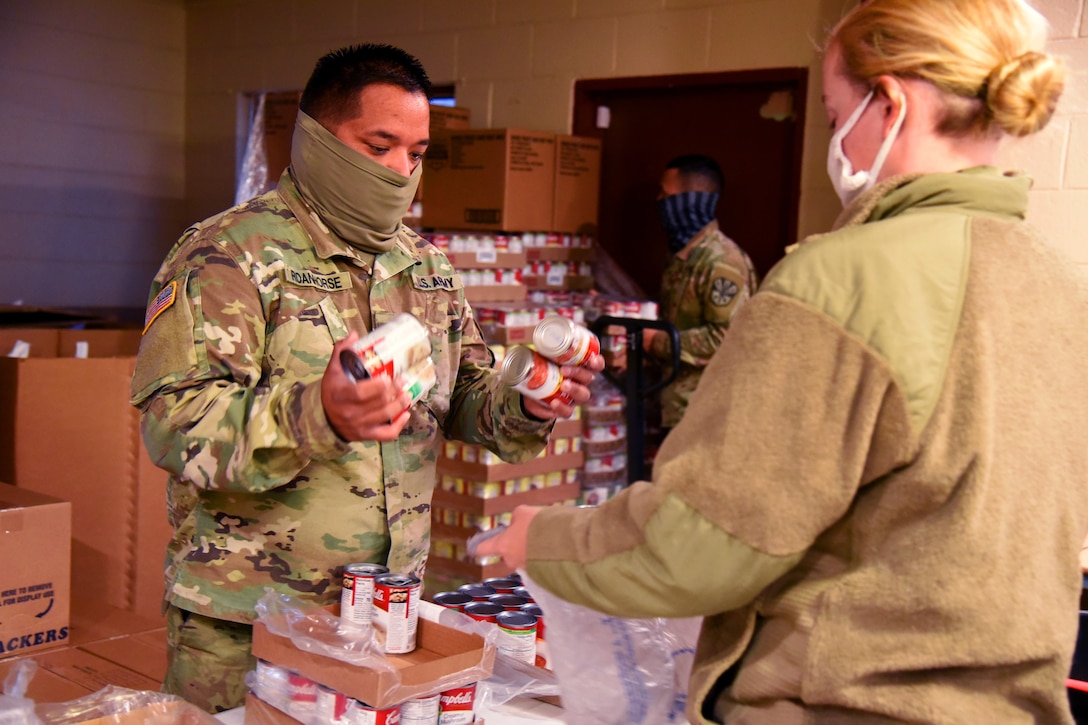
751, 122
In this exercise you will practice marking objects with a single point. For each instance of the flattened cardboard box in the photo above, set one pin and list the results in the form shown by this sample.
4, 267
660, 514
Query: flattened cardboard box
441, 653
35, 578
67, 430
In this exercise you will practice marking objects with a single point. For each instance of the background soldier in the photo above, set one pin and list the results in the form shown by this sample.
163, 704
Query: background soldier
282, 470
708, 278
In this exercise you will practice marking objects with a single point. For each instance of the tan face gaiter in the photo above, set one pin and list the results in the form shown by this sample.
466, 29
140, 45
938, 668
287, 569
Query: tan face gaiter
358, 198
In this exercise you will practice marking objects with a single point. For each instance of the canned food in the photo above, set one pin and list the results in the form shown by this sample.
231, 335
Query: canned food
558, 338
272, 684
534, 609
509, 602
452, 600
483, 611
517, 635
396, 610
357, 596
391, 349
332, 707
532, 374
420, 711
301, 696
478, 592
456, 705
363, 714
502, 585
523, 592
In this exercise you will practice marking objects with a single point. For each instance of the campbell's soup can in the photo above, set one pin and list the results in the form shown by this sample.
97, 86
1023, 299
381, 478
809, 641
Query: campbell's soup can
272, 684
396, 610
558, 338
452, 600
517, 635
483, 611
391, 349
357, 596
533, 375
332, 707
456, 705
523, 592
301, 696
363, 714
478, 592
420, 711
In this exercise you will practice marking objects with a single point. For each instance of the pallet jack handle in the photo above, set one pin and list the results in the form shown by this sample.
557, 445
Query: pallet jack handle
633, 384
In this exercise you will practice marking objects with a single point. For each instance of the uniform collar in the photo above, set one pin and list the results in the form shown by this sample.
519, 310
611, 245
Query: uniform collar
699, 236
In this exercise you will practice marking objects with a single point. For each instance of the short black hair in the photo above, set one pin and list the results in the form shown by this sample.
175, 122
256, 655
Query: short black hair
700, 166
332, 93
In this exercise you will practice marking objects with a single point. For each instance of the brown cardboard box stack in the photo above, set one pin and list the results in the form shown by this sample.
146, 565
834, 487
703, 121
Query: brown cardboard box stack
83, 529
538, 189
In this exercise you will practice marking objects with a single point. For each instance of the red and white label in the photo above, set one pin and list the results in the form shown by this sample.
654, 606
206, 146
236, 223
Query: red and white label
366, 715
456, 705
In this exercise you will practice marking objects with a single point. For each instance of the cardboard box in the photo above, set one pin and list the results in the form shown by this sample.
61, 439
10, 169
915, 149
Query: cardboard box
44, 686
560, 254
91, 671
93, 620
566, 282
500, 179
441, 655
485, 260
497, 293
67, 430
35, 579
504, 471
577, 184
451, 118
138, 653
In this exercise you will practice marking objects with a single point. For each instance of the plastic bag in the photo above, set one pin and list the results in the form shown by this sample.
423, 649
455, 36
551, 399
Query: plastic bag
615, 671
121, 705
316, 630
14, 706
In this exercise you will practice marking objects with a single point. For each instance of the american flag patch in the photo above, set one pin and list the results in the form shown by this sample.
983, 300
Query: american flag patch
161, 304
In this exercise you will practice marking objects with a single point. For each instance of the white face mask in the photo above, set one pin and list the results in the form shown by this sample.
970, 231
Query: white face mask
847, 182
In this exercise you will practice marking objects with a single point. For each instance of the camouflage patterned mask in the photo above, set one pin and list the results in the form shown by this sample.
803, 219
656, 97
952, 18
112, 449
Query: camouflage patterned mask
358, 198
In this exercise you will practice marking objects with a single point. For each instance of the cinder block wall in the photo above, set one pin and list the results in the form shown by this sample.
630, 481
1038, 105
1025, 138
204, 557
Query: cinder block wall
120, 118
92, 146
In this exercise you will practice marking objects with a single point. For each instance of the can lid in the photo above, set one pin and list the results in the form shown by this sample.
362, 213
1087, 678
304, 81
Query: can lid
533, 608
507, 600
516, 365
515, 619
553, 335
500, 583
397, 580
476, 590
483, 608
366, 569
456, 599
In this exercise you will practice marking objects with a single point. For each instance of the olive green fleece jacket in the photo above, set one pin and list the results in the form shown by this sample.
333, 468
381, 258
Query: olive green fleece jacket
879, 492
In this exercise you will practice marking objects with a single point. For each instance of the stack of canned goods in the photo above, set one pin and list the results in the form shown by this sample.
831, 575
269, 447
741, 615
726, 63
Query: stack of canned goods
505, 603
536, 373
313, 704
468, 241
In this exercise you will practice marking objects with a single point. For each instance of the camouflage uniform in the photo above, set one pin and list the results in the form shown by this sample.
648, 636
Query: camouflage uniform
263, 493
703, 286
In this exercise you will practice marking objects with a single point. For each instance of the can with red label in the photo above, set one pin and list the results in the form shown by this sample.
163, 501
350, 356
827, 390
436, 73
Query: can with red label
478, 592
558, 338
301, 696
483, 611
396, 610
272, 684
420, 711
391, 349
532, 374
363, 714
332, 707
503, 584
517, 635
452, 600
357, 596
456, 705
509, 602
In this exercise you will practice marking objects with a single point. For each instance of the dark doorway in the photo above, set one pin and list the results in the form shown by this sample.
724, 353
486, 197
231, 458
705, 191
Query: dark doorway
751, 122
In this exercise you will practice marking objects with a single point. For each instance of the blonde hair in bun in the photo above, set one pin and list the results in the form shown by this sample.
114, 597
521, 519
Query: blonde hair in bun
986, 56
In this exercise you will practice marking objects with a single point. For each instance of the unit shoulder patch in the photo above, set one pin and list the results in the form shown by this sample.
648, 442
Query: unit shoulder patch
161, 303
723, 291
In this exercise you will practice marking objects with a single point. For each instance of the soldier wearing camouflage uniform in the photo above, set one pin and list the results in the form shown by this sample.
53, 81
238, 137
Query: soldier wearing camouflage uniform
707, 280
282, 469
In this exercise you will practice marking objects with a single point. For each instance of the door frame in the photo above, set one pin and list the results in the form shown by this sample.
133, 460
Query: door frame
588, 92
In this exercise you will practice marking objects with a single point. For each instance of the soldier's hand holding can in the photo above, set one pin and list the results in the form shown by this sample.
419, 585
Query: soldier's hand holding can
572, 390
374, 409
